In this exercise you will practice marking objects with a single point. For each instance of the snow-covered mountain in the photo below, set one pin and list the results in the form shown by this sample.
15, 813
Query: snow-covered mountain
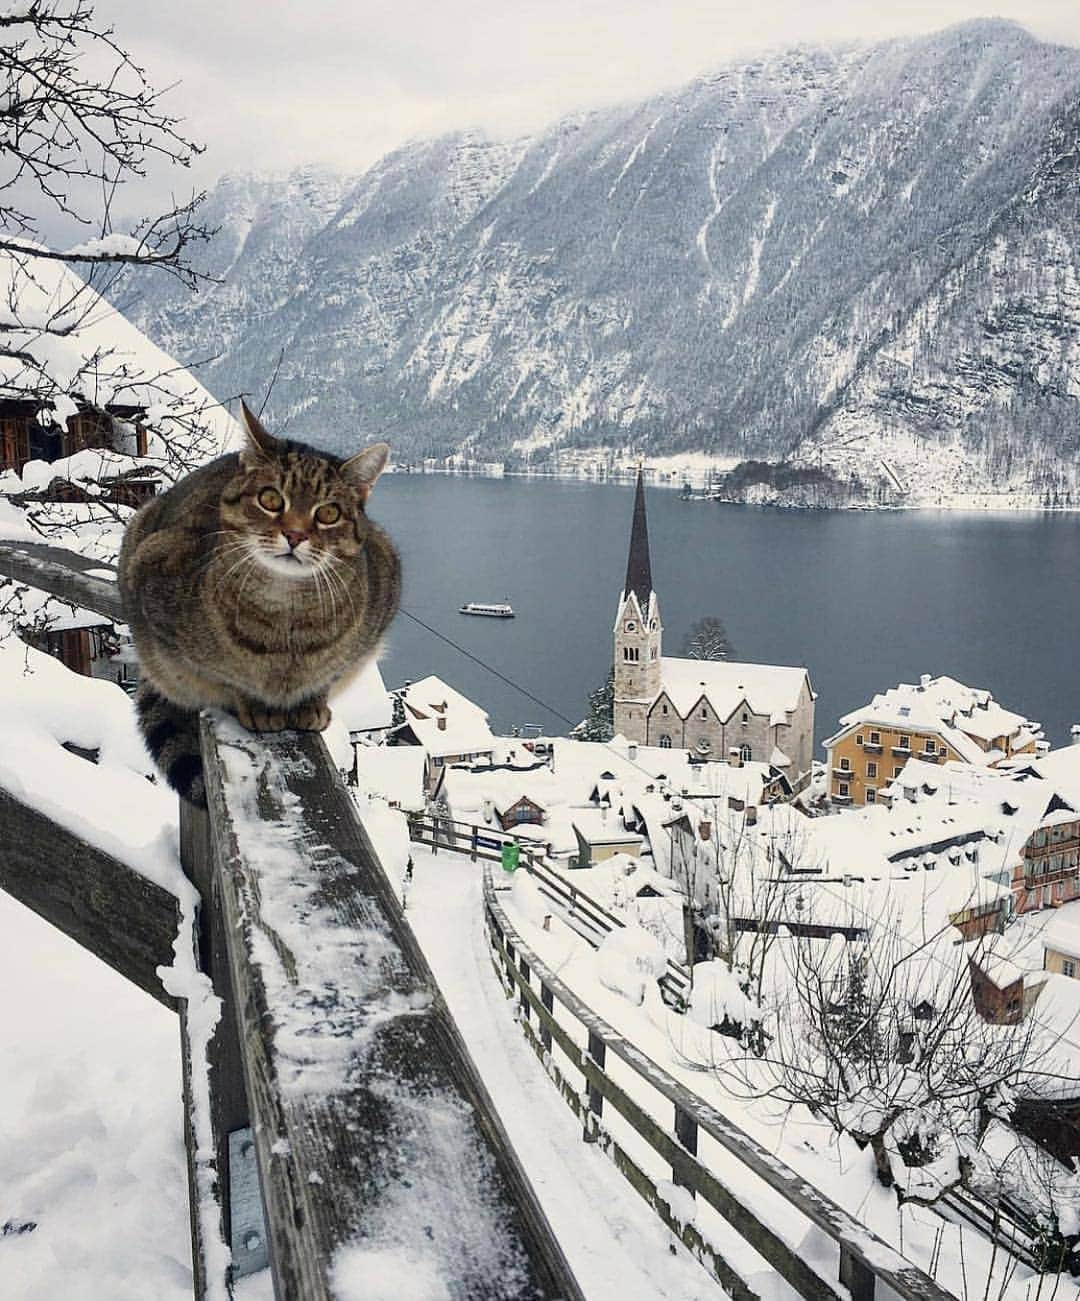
863, 258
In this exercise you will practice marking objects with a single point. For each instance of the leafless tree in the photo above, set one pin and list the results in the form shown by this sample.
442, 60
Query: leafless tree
79, 119
880, 1037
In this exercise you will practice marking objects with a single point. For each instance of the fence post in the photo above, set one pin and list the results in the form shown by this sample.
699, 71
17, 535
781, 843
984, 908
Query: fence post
229, 1115
855, 1275
523, 1002
598, 1053
686, 1131
547, 998
472, 851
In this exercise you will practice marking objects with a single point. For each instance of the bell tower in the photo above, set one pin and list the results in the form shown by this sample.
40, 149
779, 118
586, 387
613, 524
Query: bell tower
638, 632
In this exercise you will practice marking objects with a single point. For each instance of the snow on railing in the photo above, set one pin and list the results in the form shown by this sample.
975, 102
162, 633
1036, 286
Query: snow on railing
333, 1114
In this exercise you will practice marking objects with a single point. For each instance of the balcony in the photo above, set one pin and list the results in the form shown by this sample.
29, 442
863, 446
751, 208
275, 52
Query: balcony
844, 774
1053, 847
904, 751
840, 799
872, 747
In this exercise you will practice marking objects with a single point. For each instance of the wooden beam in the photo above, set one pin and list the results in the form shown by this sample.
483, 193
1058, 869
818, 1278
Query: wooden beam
63, 573
121, 917
222, 1068
375, 1137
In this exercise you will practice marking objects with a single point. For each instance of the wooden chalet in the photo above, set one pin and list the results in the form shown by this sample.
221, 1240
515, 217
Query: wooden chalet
116, 427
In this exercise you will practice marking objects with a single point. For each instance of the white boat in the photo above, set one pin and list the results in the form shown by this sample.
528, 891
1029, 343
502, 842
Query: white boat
493, 610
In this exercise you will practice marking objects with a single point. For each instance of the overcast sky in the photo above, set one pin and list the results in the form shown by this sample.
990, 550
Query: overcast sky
267, 84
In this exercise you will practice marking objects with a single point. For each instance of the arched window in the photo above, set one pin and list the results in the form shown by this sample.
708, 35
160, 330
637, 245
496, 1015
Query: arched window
665, 741
746, 753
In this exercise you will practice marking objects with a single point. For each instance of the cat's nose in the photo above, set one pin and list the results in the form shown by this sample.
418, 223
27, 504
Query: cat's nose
294, 537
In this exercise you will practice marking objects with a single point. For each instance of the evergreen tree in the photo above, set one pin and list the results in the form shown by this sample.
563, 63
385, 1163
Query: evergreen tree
599, 723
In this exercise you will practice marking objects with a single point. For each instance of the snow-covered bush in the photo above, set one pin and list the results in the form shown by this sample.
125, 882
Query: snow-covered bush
628, 961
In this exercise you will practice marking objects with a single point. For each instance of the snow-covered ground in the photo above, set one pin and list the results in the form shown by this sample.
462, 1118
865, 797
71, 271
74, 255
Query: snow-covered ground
617, 1248
93, 1176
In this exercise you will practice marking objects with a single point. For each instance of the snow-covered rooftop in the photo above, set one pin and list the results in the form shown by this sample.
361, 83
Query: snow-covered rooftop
364, 704
967, 717
767, 688
443, 721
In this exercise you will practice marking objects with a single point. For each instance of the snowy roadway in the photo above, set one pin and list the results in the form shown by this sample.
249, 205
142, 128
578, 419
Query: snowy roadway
617, 1248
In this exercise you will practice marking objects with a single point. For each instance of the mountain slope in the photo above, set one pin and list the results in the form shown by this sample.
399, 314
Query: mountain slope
839, 257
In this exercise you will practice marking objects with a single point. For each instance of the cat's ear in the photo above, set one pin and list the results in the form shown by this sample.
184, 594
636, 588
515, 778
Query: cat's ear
261, 444
363, 469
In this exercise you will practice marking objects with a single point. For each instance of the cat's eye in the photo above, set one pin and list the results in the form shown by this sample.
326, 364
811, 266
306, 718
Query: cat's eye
270, 499
328, 513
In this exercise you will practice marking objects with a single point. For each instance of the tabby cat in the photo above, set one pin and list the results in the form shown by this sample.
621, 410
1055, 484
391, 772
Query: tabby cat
256, 584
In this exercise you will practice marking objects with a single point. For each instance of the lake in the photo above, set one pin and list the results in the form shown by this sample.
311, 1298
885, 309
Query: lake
864, 600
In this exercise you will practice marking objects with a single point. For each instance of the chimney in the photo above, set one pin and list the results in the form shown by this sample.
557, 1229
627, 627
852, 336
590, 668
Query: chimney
1074, 733
441, 723
924, 681
631, 750
705, 829
735, 757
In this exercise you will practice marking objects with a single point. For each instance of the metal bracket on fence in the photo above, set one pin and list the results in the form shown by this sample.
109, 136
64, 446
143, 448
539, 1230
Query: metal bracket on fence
247, 1227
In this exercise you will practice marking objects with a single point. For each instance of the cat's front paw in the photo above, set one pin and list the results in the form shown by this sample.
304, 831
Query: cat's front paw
259, 718
311, 716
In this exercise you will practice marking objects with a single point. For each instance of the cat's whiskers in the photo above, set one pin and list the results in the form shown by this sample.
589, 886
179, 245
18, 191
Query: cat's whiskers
249, 554
240, 590
331, 564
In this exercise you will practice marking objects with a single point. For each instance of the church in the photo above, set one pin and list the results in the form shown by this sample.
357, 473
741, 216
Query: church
716, 709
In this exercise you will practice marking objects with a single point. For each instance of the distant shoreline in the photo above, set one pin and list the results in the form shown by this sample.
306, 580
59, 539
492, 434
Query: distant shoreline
981, 503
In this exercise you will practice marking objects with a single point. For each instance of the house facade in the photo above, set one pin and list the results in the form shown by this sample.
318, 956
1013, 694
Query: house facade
27, 434
937, 721
717, 709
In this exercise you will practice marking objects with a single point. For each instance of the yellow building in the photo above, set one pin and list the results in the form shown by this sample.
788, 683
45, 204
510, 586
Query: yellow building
936, 721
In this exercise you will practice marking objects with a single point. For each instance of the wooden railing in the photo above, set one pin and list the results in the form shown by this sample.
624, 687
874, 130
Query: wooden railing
665, 1138
1001, 1221
577, 909
334, 1109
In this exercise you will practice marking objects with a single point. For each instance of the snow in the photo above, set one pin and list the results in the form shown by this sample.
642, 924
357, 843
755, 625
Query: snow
767, 689
629, 961
615, 1245
114, 245
43, 705
91, 1127
107, 356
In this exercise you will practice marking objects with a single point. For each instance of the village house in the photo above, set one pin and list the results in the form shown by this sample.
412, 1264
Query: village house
445, 724
716, 709
601, 835
1061, 943
939, 720
30, 432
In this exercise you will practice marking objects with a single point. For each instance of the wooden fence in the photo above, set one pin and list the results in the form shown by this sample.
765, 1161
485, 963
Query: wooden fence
578, 910
598, 1073
345, 1114
1000, 1220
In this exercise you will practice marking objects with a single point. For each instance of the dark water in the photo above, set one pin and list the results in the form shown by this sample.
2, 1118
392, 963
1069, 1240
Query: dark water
863, 600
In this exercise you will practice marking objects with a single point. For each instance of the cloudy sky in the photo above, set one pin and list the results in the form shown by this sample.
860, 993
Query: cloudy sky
267, 84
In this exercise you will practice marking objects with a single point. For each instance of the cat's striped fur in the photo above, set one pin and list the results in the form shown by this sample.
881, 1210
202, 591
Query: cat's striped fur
256, 584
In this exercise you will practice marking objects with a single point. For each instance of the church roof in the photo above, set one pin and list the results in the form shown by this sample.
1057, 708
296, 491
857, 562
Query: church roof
638, 568
767, 688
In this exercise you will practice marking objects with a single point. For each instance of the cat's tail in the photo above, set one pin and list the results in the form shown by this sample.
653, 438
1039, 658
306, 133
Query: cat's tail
172, 737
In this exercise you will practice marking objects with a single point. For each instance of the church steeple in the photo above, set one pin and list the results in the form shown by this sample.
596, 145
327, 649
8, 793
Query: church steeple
638, 568
638, 633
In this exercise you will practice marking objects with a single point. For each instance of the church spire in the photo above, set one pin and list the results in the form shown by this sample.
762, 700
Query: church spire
638, 568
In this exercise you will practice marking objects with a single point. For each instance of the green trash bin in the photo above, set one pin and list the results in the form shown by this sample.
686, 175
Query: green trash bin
511, 855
